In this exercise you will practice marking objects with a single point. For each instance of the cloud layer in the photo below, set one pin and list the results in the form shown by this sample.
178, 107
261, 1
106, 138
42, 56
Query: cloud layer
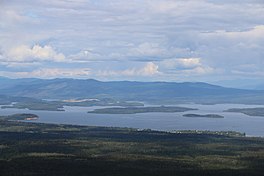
171, 40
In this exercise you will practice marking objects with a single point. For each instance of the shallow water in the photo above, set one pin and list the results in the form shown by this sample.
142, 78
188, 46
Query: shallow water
252, 126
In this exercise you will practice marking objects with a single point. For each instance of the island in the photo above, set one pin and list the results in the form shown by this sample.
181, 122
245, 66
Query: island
213, 116
135, 110
20, 117
248, 111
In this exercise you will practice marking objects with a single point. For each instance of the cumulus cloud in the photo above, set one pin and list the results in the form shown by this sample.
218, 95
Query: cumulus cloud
150, 69
36, 53
180, 37
189, 62
181, 63
183, 67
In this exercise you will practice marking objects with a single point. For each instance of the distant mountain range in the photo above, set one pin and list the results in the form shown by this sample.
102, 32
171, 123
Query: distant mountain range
154, 92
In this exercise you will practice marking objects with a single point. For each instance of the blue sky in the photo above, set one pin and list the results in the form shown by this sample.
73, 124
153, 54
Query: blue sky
146, 40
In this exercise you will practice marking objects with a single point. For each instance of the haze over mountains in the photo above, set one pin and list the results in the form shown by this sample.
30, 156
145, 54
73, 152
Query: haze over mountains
153, 92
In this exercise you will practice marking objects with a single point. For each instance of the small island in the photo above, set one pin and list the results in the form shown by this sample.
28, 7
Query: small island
214, 116
20, 117
248, 111
135, 110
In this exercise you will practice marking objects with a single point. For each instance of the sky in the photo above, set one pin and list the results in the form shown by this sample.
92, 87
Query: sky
218, 41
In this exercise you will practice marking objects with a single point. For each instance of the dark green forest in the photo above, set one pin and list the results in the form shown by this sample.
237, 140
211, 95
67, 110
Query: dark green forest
46, 149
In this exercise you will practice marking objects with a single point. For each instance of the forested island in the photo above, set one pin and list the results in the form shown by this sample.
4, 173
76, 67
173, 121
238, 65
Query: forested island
135, 110
204, 115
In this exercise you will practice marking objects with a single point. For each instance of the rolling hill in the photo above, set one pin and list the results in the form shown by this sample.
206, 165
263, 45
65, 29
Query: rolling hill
154, 92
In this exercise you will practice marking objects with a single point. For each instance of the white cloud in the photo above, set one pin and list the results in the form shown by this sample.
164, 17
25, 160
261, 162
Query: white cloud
227, 49
181, 63
49, 73
36, 53
255, 33
147, 49
150, 69
11, 17
185, 67
200, 70
86, 55
248, 70
223, 34
249, 74
20, 64
189, 62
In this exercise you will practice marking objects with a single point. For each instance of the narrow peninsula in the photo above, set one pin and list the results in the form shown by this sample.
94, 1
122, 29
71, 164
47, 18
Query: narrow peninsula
248, 111
20, 117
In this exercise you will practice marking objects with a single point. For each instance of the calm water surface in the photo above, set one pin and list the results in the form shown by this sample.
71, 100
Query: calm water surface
252, 126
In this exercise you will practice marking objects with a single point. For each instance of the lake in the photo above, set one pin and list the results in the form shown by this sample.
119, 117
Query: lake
252, 126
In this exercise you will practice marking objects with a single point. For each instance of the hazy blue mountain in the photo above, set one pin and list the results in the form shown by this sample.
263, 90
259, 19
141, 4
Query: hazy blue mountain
253, 84
165, 92
4, 99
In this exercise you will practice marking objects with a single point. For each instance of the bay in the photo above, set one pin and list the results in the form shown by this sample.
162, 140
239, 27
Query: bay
252, 126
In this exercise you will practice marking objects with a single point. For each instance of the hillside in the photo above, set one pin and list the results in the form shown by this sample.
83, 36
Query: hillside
155, 92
